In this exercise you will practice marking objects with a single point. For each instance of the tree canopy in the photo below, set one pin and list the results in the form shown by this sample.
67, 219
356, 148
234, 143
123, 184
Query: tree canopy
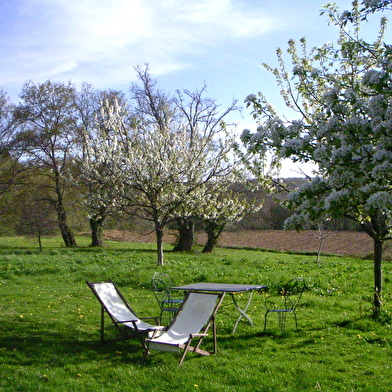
159, 155
342, 94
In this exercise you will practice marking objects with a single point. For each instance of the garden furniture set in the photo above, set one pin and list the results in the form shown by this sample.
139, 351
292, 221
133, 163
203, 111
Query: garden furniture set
190, 317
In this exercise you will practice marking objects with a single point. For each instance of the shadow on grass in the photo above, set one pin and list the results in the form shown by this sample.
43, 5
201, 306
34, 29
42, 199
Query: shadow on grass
55, 349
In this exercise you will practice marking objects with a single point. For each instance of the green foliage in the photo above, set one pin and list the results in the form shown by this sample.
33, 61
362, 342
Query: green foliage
50, 322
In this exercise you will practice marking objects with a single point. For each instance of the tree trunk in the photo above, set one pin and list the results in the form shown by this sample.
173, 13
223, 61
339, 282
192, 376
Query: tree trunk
319, 249
96, 226
186, 239
68, 237
159, 235
378, 251
66, 233
213, 231
377, 228
39, 236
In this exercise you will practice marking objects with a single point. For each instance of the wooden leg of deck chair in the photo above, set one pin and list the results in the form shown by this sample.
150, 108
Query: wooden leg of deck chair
185, 348
146, 352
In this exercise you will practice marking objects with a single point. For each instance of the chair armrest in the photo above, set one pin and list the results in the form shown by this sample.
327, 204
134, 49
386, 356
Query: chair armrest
142, 318
126, 321
198, 335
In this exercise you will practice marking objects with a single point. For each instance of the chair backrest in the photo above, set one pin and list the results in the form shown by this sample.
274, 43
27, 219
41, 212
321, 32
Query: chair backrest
161, 285
196, 312
287, 296
293, 291
113, 302
164, 278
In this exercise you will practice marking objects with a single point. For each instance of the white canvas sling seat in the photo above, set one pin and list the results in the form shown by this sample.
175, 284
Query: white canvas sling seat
192, 321
128, 324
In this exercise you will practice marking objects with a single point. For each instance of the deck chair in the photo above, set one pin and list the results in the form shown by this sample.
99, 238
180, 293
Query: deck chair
124, 318
192, 321
285, 301
161, 287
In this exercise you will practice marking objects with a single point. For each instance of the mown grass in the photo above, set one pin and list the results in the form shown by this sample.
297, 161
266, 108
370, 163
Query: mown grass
49, 322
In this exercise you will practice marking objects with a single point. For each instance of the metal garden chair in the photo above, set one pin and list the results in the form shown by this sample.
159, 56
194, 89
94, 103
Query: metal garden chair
284, 302
161, 286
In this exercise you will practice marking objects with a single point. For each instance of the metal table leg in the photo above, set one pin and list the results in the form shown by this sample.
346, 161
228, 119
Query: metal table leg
242, 311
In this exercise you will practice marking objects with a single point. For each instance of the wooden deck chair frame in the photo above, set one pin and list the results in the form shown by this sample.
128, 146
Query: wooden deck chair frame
127, 323
192, 321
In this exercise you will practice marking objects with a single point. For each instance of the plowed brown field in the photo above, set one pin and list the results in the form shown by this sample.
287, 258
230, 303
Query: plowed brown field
337, 242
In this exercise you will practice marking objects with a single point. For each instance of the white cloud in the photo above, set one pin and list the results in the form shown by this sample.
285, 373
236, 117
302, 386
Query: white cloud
186, 42
64, 67
104, 27
225, 18
53, 37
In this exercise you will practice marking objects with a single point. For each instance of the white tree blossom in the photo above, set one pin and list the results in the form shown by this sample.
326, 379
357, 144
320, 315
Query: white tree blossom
344, 128
92, 159
160, 169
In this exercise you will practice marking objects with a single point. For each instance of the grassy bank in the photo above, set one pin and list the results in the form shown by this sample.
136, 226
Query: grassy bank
49, 323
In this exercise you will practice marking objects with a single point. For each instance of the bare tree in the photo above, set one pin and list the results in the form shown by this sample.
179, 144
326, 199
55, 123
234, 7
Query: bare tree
46, 138
34, 214
321, 234
10, 168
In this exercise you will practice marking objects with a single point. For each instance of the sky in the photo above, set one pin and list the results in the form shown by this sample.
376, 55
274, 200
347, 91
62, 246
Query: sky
186, 44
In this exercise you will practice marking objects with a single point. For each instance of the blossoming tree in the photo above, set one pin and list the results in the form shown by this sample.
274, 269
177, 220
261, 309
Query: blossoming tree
156, 167
157, 171
222, 207
343, 99
203, 120
368, 6
91, 171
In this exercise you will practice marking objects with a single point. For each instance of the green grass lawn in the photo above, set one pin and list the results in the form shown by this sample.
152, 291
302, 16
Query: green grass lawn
49, 322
